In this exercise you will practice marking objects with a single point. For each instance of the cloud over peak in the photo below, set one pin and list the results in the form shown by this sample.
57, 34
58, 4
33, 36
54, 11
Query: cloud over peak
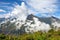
42, 6
27, 7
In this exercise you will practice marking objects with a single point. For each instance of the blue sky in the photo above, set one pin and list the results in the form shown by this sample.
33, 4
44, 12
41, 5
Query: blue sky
7, 6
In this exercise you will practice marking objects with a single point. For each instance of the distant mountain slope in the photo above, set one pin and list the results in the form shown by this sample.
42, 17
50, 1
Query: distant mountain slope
2, 19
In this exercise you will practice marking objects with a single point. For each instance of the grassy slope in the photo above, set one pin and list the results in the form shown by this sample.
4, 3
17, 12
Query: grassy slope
51, 35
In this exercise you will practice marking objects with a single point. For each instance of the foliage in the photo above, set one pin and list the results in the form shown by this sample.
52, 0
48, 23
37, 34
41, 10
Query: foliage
51, 35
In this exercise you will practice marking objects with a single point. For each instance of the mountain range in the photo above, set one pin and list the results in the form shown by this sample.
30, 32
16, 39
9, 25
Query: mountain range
32, 24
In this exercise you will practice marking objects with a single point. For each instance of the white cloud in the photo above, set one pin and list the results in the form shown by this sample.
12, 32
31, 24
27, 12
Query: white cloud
42, 6
20, 11
34, 6
5, 15
1, 10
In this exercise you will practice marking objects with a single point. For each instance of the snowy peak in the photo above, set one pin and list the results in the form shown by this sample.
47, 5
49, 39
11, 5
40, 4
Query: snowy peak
32, 24
30, 17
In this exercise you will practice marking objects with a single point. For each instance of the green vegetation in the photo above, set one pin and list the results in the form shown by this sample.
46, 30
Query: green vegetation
51, 35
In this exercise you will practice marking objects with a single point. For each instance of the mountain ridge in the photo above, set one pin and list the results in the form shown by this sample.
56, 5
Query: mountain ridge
31, 24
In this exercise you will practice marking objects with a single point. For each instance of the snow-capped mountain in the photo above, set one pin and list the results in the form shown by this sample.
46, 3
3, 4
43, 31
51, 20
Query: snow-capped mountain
30, 25
21, 21
44, 24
